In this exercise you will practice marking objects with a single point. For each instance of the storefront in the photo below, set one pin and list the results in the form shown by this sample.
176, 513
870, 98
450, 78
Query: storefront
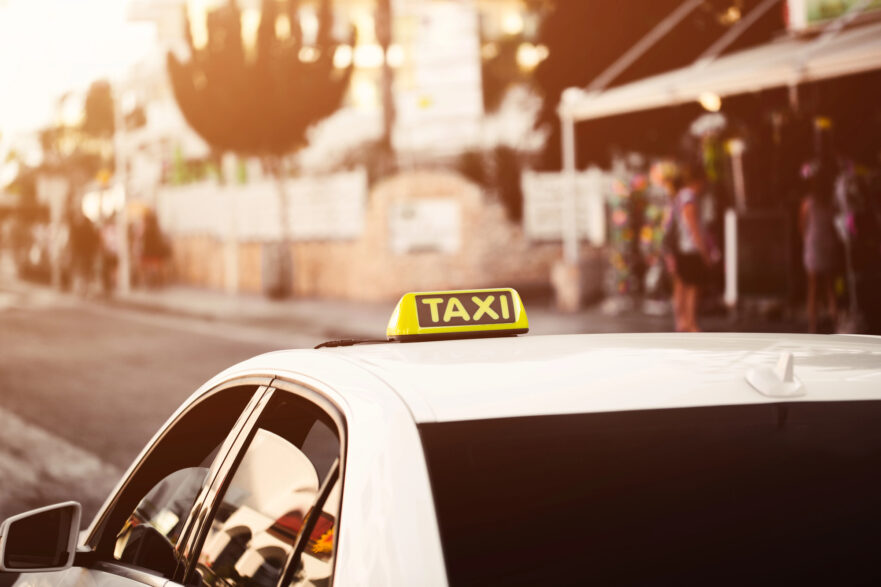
790, 97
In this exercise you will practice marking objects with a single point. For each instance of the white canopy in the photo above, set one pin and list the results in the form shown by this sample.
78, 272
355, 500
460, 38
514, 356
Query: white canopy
782, 63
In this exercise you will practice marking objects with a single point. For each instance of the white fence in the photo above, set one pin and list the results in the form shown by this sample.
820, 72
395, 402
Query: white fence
328, 207
543, 198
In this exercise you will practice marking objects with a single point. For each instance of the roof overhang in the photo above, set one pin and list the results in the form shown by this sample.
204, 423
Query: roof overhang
783, 63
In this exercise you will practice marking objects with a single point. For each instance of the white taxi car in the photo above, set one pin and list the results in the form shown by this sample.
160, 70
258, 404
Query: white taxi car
540, 460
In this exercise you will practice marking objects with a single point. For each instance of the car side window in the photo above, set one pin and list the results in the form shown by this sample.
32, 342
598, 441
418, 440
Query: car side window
274, 496
143, 526
151, 532
315, 566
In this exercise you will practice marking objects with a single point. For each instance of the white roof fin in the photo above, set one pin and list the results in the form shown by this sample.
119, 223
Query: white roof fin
778, 382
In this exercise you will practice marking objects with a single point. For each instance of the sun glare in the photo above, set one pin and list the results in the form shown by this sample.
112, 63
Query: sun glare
48, 47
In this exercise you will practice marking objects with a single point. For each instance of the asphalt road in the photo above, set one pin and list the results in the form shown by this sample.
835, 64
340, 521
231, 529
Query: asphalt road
84, 386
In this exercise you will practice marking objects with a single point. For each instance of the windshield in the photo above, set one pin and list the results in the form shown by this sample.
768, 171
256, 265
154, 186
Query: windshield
741, 494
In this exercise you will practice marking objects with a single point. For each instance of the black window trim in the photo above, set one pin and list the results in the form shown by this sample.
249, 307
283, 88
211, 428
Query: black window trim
231, 446
206, 507
290, 565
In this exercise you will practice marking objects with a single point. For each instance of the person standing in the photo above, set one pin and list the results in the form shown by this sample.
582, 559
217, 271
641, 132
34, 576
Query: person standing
153, 253
821, 250
688, 254
109, 255
84, 243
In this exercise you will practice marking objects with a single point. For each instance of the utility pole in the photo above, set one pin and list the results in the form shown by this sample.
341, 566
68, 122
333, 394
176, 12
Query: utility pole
569, 206
123, 279
384, 38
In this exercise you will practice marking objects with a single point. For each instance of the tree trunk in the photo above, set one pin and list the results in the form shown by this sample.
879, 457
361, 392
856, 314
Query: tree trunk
231, 248
279, 270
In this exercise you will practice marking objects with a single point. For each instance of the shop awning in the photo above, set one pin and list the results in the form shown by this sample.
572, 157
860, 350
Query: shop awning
778, 64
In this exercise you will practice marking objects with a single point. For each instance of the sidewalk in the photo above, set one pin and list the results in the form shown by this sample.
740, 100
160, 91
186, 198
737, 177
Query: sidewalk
333, 319
329, 318
348, 319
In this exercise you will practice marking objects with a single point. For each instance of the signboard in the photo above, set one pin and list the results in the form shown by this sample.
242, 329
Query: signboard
544, 195
458, 314
807, 14
431, 225
438, 93
331, 207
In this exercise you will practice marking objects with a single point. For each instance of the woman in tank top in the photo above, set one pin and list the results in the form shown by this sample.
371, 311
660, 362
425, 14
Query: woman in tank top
821, 246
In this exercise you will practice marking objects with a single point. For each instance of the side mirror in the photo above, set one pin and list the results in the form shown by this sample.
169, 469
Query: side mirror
40, 540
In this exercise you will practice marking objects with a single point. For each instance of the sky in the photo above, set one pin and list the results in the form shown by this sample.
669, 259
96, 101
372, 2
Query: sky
48, 47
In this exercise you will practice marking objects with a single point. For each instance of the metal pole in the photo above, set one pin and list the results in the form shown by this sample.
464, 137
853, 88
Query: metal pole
729, 37
643, 45
123, 280
830, 31
569, 208
731, 258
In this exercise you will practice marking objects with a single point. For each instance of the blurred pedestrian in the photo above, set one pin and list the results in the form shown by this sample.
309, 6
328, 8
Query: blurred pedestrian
688, 252
154, 252
858, 221
872, 291
109, 255
821, 245
83, 245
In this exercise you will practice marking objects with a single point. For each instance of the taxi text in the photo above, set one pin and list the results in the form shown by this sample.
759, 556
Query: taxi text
461, 309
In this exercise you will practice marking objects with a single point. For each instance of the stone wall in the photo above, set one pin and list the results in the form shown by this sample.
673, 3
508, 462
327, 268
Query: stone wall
488, 250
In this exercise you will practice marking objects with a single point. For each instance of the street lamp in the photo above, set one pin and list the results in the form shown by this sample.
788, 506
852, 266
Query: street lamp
710, 101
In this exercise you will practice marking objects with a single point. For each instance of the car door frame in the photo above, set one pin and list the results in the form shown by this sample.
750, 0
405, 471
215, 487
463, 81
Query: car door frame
206, 507
87, 555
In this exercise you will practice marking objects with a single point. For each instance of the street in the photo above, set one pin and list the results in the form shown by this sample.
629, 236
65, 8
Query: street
83, 387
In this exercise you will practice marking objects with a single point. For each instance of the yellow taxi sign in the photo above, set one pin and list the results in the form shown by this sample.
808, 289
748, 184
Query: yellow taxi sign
458, 314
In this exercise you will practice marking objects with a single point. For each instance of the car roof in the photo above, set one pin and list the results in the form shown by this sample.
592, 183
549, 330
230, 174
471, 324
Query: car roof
562, 374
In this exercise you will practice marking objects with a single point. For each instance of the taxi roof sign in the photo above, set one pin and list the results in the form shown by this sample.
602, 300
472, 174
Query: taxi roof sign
458, 314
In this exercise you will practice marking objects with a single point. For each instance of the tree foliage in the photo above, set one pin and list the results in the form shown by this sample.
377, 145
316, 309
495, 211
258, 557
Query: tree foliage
80, 151
501, 71
259, 102
498, 171
98, 117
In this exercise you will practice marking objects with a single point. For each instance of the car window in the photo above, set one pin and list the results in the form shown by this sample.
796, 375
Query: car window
143, 526
774, 494
151, 532
315, 567
268, 504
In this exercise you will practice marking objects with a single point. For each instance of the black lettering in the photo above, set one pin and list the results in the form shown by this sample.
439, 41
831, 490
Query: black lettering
476, 305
